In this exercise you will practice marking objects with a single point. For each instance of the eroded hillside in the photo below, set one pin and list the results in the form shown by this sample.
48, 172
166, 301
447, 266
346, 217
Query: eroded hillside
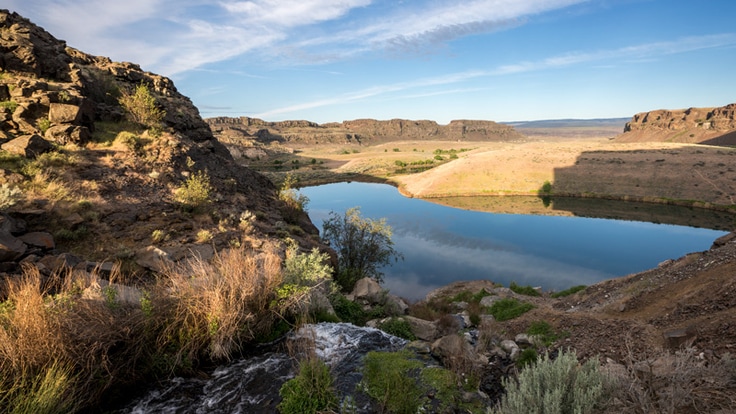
106, 185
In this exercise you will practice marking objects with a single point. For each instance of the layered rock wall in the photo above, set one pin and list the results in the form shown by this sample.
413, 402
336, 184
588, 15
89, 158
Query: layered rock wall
692, 125
359, 131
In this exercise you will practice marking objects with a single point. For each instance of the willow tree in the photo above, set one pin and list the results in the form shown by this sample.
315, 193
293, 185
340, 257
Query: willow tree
363, 246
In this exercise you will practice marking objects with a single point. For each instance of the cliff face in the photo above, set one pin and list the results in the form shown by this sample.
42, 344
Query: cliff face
692, 125
360, 131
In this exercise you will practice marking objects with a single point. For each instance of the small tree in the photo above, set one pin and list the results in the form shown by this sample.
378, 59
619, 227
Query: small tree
141, 106
363, 246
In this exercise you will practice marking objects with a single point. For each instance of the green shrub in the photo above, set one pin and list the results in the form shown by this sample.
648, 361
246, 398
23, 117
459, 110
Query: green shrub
311, 391
363, 246
398, 327
543, 331
524, 290
348, 311
43, 125
195, 192
527, 357
11, 106
546, 188
306, 269
141, 106
157, 236
509, 308
568, 292
387, 379
554, 387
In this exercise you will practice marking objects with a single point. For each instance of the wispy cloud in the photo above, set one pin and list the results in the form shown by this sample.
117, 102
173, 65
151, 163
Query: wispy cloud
173, 36
607, 58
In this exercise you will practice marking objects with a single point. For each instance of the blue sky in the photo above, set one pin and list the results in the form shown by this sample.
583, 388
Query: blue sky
335, 60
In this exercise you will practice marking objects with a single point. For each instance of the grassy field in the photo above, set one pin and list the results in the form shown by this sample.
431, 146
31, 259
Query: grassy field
660, 172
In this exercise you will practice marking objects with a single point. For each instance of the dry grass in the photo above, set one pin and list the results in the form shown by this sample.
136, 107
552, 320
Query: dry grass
215, 307
67, 340
681, 382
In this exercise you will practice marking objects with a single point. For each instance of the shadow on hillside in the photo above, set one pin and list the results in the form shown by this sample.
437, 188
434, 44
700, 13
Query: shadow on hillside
643, 185
725, 140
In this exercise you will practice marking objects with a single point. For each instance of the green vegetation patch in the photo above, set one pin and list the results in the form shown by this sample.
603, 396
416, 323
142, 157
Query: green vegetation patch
401, 384
554, 386
568, 292
311, 391
544, 332
524, 290
398, 327
390, 379
509, 308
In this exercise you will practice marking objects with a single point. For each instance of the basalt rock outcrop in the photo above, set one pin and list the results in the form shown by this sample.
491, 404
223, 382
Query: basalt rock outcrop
715, 126
359, 131
105, 196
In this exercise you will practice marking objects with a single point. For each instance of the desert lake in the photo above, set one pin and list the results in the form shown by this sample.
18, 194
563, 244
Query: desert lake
443, 244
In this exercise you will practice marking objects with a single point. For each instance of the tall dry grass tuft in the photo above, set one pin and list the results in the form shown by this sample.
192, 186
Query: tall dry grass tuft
68, 340
213, 308
37, 374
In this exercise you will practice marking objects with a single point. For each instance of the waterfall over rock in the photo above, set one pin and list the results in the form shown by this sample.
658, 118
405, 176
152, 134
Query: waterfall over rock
251, 385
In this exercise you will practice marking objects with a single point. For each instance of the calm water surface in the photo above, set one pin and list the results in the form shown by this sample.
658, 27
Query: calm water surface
442, 244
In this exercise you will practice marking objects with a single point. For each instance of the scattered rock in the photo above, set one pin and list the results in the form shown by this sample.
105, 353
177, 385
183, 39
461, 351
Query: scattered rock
678, 338
424, 330
11, 248
367, 291
29, 146
153, 258
39, 239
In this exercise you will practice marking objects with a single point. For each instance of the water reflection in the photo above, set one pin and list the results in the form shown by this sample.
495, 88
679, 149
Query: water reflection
441, 244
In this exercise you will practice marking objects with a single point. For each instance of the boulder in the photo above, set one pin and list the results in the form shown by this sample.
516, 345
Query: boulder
11, 248
453, 351
395, 305
11, 225
487, 301
511, 348
678, 338
153, 258
39, 239
58, 264
204, 252
29, 146
368, 291
60, 113
424, 330
64, 134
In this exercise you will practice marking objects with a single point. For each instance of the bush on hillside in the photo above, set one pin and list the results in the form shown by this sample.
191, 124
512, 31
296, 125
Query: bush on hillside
554, 386
141, 106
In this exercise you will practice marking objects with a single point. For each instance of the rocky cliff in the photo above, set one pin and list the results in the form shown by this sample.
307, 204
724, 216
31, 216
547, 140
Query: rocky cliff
359, 131
692, 125
75, 167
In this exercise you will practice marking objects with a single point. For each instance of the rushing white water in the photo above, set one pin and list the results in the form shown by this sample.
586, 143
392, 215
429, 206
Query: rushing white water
251, 385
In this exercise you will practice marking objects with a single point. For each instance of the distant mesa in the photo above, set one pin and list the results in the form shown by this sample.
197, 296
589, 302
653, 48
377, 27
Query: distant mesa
359, 131
714, 126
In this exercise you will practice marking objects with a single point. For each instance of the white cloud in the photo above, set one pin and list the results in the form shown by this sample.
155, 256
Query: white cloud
169, 36
648, 50
174, 36
292, 13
